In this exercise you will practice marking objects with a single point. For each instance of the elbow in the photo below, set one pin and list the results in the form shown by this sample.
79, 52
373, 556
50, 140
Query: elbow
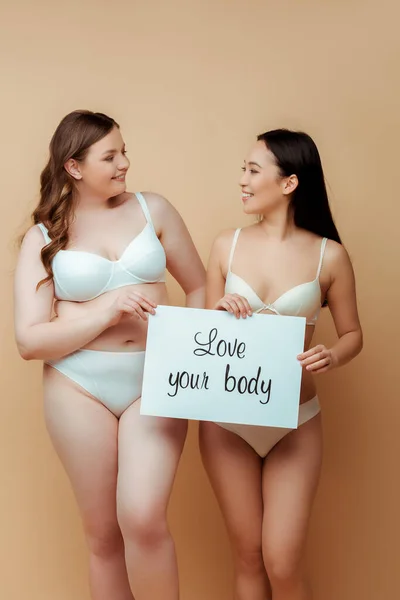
358, 342
29, 343
25, 354
361, 342
26, 351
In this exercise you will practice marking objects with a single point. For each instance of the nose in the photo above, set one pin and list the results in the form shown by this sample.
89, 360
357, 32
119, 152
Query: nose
244, 180
124, 163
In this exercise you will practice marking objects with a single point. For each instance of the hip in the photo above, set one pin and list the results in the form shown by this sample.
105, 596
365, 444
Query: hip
308, 388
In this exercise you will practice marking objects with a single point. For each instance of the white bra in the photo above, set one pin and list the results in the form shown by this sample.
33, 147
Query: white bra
303, 300
81, 276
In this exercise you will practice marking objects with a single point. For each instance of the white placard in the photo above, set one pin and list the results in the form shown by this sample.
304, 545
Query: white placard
207, 365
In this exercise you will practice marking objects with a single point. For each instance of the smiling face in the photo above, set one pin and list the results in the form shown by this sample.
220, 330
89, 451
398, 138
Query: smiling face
102, 172
264, 189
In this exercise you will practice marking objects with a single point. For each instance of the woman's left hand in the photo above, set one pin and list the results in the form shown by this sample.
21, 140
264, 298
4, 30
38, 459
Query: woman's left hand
318, 359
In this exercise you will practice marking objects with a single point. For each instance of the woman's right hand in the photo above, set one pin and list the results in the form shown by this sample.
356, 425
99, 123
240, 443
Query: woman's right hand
235, 304
130, 303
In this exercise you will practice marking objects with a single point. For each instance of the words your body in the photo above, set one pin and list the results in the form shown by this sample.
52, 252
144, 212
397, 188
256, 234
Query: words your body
213, 345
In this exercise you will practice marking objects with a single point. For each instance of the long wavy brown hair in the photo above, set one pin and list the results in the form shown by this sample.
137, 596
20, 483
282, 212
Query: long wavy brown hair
72, 139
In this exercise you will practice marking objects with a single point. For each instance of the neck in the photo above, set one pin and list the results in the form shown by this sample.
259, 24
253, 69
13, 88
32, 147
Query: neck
90, 201
279, 225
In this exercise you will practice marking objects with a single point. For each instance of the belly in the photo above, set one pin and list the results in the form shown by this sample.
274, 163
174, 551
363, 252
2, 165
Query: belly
130, 333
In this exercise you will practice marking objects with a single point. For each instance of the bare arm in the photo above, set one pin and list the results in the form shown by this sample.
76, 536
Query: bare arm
183, 261
215, 277
36, 336
342, 302
215, 293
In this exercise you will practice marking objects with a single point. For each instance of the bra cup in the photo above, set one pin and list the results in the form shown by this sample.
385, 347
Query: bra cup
81, 276
149, 266
237, 285
80, 279
300, 301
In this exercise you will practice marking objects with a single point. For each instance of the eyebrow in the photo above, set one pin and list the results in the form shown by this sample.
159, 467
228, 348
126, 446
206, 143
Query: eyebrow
112, 150
255, 164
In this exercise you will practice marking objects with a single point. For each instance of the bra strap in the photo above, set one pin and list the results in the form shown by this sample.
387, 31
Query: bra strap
232, 252
321, 258
145, 208
43, 229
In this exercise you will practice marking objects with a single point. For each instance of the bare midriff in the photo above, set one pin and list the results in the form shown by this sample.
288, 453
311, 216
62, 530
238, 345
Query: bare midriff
129, 335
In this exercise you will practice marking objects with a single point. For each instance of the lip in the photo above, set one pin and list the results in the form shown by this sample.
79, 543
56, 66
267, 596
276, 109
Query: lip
246, 196
120, 178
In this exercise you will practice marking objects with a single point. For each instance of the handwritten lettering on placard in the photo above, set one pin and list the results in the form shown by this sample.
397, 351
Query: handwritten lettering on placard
212, 344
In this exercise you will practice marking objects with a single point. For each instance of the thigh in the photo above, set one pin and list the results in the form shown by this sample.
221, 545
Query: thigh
149, 453
290, 478
84, 434
234, 470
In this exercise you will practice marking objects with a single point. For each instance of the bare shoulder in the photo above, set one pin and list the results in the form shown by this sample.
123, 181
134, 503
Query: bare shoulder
29, 258
224, 239
157, 203
33, 239
221, 248
336, 259
336, 253
164, 214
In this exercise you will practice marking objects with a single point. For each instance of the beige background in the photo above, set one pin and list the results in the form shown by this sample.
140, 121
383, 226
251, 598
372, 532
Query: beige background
192, 83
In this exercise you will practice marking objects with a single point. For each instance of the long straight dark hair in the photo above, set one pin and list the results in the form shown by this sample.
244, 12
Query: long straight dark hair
296, 154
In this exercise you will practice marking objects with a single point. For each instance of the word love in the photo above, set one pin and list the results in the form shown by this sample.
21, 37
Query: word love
210, 346
214, 347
